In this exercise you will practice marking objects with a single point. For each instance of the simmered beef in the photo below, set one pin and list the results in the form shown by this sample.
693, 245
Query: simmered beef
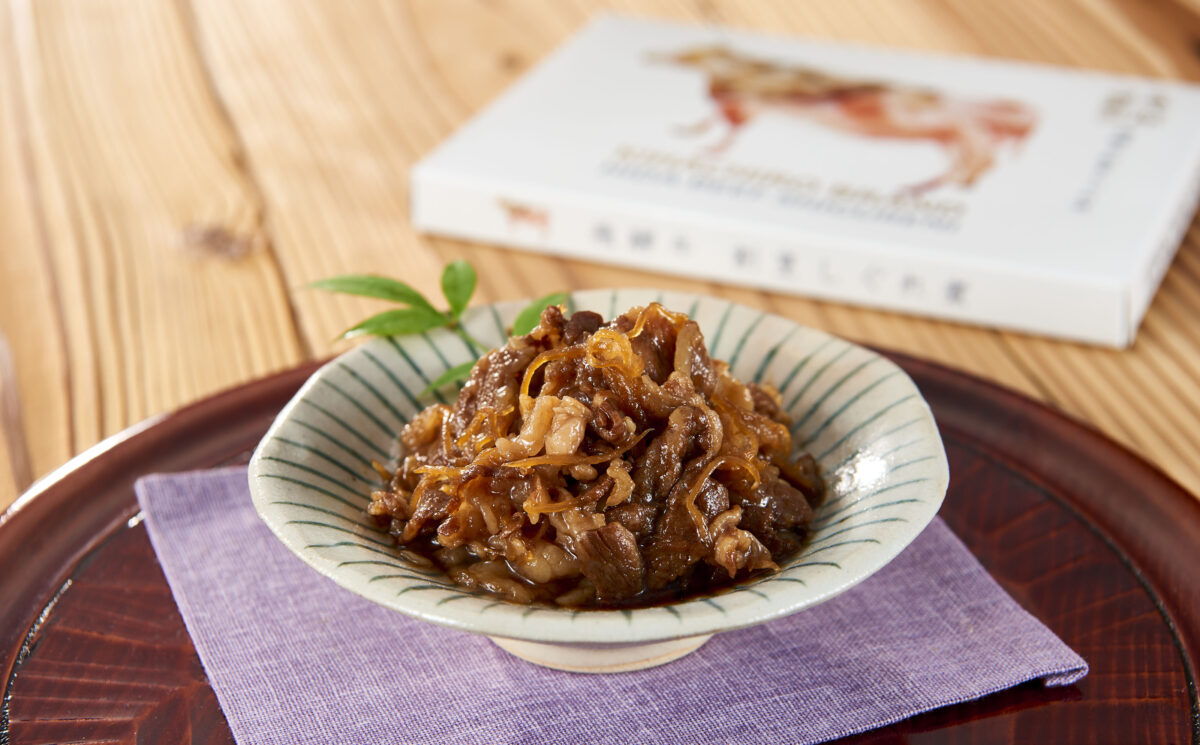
610, 558
601, 465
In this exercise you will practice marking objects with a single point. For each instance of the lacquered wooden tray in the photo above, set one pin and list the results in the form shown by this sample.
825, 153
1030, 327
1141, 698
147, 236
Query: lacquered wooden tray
1090, 538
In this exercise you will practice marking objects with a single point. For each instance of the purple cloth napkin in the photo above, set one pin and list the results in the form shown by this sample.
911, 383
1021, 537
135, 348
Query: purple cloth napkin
294, 658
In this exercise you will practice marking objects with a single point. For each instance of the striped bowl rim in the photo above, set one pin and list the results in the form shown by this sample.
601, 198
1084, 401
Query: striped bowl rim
859, 414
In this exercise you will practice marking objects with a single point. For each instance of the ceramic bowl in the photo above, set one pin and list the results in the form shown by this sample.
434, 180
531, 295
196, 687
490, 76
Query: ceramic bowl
858, 413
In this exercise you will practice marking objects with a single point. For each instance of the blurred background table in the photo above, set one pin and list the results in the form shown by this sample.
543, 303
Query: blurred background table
172, 173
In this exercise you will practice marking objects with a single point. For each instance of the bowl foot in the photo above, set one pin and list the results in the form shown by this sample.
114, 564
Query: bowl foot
601, 658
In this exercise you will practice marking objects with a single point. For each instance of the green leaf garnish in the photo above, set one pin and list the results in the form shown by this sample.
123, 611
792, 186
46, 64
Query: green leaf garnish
396, 322
528, 318
458, 284
453, 375
370, 285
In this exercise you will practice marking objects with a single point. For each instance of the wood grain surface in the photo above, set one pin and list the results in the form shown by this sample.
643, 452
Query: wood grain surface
172, 172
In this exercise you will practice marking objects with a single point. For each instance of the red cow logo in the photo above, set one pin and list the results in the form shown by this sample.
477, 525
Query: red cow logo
519, 213
969, 131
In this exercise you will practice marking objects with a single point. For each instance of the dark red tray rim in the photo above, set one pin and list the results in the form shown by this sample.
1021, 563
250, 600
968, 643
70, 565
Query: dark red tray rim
1153, 537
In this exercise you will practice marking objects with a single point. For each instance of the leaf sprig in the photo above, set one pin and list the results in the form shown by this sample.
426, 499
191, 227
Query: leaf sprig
418, 314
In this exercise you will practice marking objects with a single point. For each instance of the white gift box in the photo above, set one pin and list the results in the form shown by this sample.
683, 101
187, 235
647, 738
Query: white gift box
1021, 196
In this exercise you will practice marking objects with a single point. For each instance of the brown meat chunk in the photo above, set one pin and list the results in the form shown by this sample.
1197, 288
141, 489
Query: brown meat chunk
677, 542
636, 470
773, 509
422, 441
658, 468
804, 474
494, 383
551, 325
609, 557
608, 421
597, 491
656, 346
639, 518
768, 402
433, 506
735, 549
581, 325
713, 499
691, 358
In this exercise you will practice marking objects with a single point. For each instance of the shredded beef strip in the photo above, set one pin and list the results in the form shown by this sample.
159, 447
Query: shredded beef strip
593, 464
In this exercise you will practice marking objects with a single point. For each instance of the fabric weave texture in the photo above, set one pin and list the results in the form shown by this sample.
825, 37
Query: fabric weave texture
296, 659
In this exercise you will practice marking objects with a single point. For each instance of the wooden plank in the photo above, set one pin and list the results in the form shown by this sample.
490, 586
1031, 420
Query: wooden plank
336, 102
291, 131
414, 54
1071, 34
32, 358
1146, 397
399, 80
16, 472
1167, 31
155, 247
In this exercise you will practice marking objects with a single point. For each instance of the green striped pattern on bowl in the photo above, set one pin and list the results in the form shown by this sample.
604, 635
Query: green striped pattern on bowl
857, 412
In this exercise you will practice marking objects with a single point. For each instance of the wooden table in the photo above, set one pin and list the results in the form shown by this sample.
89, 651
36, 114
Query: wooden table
173, 173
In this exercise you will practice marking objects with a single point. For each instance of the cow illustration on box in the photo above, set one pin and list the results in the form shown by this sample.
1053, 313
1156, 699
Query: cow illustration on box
970, 131
523, 215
